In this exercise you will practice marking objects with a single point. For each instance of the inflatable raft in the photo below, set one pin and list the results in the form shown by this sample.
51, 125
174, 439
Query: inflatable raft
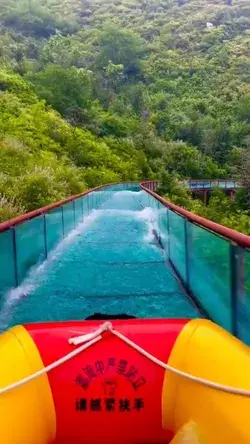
133, 381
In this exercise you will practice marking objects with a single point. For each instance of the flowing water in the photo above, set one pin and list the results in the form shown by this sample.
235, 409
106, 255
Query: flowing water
112, 263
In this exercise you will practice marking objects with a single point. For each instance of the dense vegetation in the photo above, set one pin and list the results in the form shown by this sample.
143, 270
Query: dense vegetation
95, 92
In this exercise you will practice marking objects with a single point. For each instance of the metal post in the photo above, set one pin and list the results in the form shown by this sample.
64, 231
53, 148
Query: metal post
187, 251
62, 221
15, 256
74, 206
168, 232
82, 207
236, 284
45, 236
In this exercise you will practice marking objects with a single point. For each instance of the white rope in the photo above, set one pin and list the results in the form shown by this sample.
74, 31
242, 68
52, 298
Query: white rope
214, 385
91, 338
49, 367
88, 337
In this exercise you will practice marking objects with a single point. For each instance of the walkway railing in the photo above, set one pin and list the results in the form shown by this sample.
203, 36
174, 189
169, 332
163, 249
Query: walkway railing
212, 261
201, 184
28, 239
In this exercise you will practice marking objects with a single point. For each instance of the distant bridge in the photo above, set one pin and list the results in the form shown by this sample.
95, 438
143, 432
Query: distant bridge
204, 186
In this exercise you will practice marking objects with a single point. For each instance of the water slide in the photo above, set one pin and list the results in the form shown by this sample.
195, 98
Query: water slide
123, 250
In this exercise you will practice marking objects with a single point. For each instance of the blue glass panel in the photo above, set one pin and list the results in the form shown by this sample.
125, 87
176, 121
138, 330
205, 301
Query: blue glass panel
85, 205
30, 245
177, 243
7, 262
163, 228
68, 218
78, 211
243, 296
209, 273
54, 228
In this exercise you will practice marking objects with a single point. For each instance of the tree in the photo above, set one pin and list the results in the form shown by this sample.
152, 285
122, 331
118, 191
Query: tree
243, 108
65, 89
171, 187
242, 174
121, 47
188, 162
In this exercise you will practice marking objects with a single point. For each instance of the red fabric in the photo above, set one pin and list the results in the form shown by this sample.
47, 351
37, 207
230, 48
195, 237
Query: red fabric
110, 393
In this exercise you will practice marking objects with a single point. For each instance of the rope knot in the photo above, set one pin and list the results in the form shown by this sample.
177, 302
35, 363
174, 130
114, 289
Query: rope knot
106, 326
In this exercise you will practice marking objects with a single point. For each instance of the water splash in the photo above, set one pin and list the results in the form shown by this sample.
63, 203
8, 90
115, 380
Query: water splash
38, 272
151, 217
127, 215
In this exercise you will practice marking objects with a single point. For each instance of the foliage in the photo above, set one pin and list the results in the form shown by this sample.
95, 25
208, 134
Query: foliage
188, 162
95, 92
44, 159
220, 209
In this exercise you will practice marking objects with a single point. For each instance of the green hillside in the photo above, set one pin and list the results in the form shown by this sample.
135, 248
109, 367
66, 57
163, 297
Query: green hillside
95, 92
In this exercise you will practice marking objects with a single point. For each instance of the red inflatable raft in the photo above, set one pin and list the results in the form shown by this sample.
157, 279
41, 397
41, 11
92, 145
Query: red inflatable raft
110, 387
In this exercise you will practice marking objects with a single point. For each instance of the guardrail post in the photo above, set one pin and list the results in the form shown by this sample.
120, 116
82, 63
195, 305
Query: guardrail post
82, 207
237, 283
45, 235
15, 256
62, 222
187, 251
74, 206
168, 233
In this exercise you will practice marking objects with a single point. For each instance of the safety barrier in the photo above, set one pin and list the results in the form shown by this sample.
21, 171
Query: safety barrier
212, 261
201, 184
27, 240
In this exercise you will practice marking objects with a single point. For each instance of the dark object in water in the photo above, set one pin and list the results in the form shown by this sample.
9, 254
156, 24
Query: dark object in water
158, 241
101, 316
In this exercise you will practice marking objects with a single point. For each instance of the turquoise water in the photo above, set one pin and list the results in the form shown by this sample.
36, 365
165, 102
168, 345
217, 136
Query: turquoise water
111, 263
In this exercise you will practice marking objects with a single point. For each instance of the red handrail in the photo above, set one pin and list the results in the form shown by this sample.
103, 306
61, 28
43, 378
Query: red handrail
4, 226
232, 235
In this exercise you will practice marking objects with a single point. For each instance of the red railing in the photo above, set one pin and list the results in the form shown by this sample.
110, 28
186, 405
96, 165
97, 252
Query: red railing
232, 235
149, 186
4, 226
188, 226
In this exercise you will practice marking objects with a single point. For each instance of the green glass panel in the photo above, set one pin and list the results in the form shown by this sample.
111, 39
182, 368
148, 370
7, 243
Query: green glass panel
243, 296
54, 228
90, 202
102, 196
95, 200
85, 205
151, 201
78, 211
209, 273
177, 252
68, 218
7, 262
163, 227
30, 245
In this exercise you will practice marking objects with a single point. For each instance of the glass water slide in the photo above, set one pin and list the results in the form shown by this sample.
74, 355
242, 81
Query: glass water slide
122, 249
